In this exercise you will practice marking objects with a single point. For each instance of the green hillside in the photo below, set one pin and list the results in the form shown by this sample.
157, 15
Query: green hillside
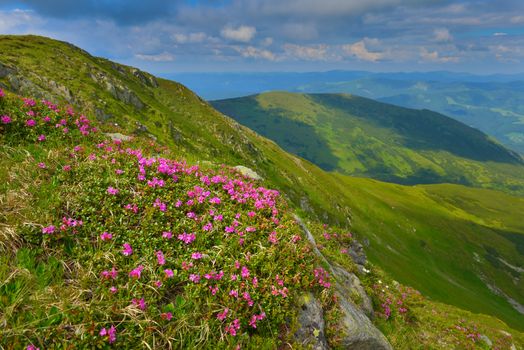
161, 110
362, 137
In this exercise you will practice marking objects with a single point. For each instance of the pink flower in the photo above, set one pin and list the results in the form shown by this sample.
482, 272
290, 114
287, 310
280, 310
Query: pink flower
222, 315
48, 230
215, 200
158, 283
136, 273
109, 274
245, 272
66, 168
119, 171
160, 205
47, 119
113, 289
186, 266
187, 238
41, 138
273, 238
233, 327
141, 303
110, 333
167, 316
6, 119
2, 94
169, 273
207, 227
30, 122
41, 165
160, 258
251, 214
112, 190
233, 293
127, 249
213, 290
196, 256
167, 235
30, 346
106, 236
194, 278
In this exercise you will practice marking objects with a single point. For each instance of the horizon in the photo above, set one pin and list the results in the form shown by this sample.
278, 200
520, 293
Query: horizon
480, 37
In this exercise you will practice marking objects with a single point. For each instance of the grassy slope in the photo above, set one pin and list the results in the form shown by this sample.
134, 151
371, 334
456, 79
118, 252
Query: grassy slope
200, 133
362, 137
51, 289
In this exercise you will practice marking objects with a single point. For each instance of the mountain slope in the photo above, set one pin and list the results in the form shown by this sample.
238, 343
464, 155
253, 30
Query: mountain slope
362, 137
155, 108
488, 103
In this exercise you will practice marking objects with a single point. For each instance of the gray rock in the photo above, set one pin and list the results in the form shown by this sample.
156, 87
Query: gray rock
348, 284
486, 340
118, 136
248, 172
311, 333
5, 70
145, 78
359, 332
357, 253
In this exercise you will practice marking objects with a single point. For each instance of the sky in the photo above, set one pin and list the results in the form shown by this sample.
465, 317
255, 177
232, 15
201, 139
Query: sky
476, 36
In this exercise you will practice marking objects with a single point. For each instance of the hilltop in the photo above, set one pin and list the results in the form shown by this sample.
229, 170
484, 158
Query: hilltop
361, 137
128, 101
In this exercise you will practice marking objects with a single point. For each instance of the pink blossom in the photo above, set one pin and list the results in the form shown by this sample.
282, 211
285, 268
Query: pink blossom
41, 165
229, 229
127, 249
49, 229
245, 272
136, 272
196, 256
119, 171
215, 200
2, 94
160, 258
30, 122
218, 218
187, 238
207, 227
233, 327
194, 278
166, 316
237, 264
233, 293
213, 290
158, 283
160, 205
186, 266
112, 190
41, 138
273, 238
6, 119
113, 289
106, 236
140, 303
169, 273
47, 119
30, 346
110, 333
167, 235
191, 215
113, 274
222, 315
66, 168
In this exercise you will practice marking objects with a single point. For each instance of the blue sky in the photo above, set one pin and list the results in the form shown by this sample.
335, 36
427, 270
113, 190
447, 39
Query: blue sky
477, 36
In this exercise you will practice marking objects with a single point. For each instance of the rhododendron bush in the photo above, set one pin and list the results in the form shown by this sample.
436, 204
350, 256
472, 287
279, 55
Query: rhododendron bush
155, 249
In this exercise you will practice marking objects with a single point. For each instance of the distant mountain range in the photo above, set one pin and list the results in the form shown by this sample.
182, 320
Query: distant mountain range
491, 103
362, 137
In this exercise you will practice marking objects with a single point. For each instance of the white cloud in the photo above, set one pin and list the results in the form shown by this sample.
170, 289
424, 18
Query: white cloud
242, 33
161, 57
435, 56
267, 41
19, 21
442, 35
500, 34
310, 53
253, 52
360, 50
189, 38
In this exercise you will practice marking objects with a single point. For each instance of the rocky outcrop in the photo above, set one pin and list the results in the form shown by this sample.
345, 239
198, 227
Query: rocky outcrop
248, 172
311, 319
119, 91
359, 332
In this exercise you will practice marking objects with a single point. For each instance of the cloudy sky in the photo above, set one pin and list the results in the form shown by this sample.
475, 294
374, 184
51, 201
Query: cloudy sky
479, 36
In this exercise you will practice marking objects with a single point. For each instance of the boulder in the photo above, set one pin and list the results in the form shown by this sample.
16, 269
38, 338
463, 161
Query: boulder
311, 332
